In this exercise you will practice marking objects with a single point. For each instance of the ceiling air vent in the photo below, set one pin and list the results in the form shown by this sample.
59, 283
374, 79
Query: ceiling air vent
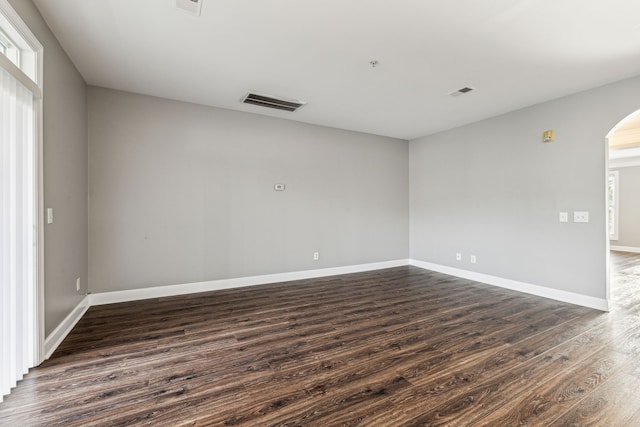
191, 6
269, 101
462, 91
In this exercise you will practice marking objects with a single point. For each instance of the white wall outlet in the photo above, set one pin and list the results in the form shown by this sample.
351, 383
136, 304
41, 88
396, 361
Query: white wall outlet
473, 259
581, 217
279, 187
316, 256
49, 215
564, 216
458, 256
78, 284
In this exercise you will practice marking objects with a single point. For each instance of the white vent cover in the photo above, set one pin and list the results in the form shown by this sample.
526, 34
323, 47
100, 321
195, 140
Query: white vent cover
269, 101
462, 91
191, 6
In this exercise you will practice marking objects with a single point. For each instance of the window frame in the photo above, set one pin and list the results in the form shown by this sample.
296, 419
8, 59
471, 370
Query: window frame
27, 62
613, 203
29, 71
9, 48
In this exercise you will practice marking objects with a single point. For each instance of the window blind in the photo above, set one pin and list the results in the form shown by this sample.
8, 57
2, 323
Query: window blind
18, 222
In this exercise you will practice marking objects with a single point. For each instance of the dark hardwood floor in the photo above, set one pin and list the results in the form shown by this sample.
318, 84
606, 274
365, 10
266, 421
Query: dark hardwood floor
396, 347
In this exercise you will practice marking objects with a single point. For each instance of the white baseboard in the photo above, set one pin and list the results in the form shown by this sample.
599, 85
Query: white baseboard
541, 291
54, 339
625, 249
215, 285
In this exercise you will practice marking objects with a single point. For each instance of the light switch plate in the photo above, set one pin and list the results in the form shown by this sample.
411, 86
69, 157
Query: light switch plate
564, 216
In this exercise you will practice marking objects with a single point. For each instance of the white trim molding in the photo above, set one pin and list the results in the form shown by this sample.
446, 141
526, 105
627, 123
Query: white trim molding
56, 337
59, 334
31, 50
102, 298
541, 291
625, 249
624, 162
215, 285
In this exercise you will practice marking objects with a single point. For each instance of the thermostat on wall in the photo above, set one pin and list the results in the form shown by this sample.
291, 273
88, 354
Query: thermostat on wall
278, 187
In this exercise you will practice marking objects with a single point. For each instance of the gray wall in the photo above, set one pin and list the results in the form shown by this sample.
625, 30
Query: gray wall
629, 220
492, 189
65, 172
182, 193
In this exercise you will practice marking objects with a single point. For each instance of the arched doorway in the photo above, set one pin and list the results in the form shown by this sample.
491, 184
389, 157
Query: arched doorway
623, 209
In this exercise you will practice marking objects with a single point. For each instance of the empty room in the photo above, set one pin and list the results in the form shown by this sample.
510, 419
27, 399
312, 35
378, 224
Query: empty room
322, 213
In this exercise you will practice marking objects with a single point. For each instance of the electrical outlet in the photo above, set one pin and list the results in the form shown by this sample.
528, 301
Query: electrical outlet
581, 217
316, 256
458, 256
473, 259
78, 284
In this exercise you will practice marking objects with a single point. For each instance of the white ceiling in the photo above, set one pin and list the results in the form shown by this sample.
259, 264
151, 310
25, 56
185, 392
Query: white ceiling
514, 53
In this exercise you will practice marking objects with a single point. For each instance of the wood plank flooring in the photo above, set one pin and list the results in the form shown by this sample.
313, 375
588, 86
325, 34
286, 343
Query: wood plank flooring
395, 347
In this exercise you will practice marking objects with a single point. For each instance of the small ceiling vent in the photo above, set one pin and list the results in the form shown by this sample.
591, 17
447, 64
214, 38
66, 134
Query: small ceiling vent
462, 91
269, 101
191, 6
